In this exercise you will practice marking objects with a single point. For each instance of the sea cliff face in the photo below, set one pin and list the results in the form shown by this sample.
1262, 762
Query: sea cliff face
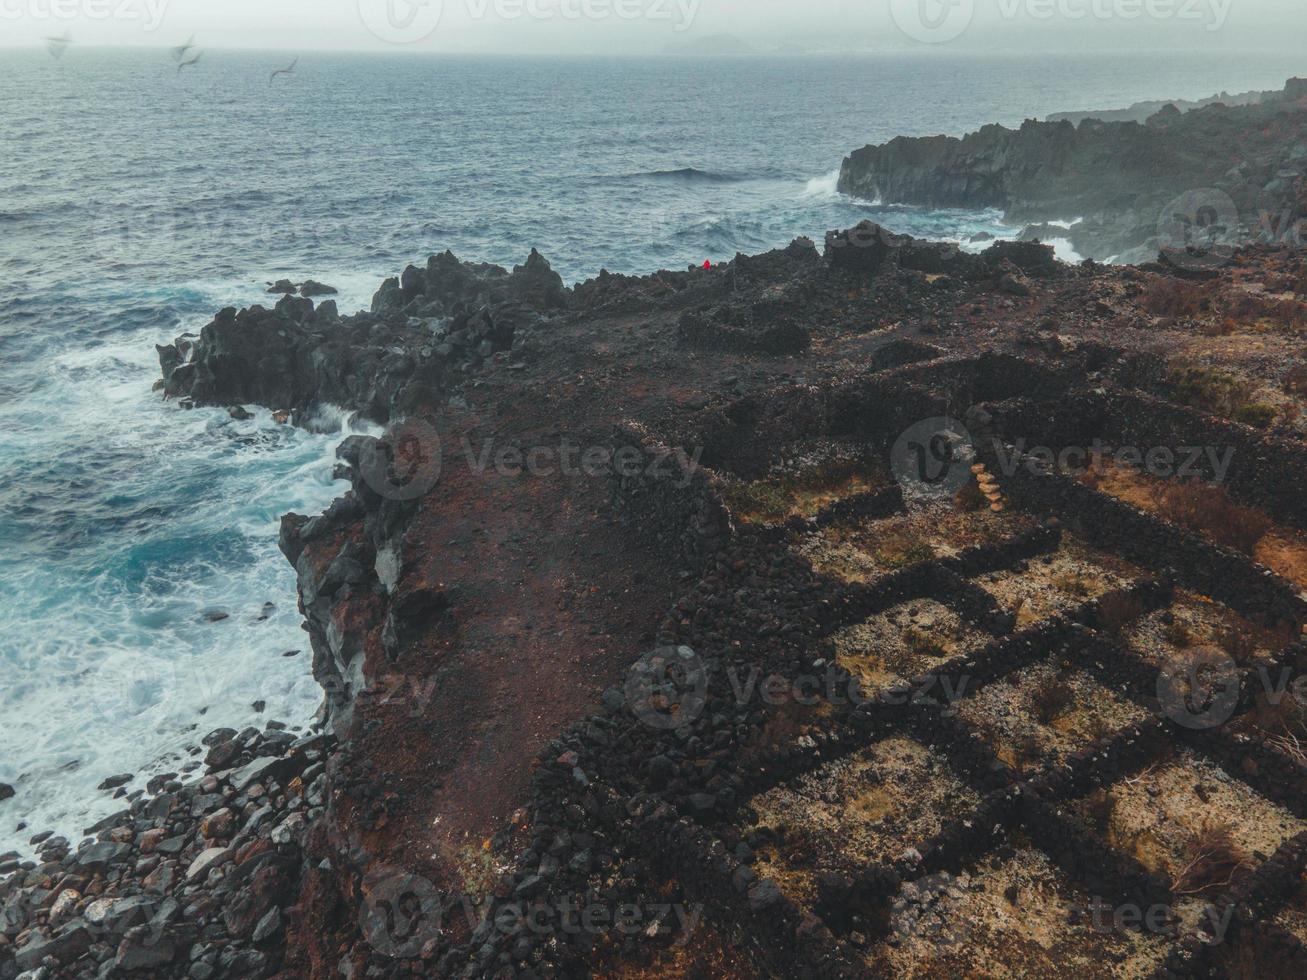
1117, 176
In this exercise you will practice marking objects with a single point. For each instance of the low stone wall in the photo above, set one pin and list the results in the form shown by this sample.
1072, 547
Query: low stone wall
798, 945
1118, 527
1246, 907
669, 501
698, 332
1265, 471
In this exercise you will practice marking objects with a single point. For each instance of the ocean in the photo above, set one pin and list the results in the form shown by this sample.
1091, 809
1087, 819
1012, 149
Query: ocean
144, 599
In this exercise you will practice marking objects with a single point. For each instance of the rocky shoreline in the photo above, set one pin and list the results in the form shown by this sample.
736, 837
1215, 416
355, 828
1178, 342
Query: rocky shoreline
564, 513
194, 879
1232, 173
286, 857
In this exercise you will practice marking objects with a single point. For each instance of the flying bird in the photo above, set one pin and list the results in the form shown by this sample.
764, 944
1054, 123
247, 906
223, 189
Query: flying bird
58, 45
180, 53
191, 63
283, 71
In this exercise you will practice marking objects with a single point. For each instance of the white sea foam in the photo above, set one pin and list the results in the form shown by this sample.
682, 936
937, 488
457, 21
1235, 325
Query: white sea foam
111, 662
823, 187
1064, 250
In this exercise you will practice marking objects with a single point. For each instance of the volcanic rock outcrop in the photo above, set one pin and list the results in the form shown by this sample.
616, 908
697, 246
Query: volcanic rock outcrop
424, 327
1121, 179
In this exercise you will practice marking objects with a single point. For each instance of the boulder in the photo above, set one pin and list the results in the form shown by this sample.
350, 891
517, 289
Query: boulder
102, 854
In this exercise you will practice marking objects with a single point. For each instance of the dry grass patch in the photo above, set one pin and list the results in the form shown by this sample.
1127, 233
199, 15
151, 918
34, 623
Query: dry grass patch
1040, 716
1205, 509
907, 640
1053, 583
867, 808
1014, 915
1210, 511
1194, 622
804, 487
1214, 860
1189, 819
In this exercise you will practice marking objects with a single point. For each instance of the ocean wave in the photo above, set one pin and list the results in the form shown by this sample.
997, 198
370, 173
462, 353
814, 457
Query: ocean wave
685, 175
825, 186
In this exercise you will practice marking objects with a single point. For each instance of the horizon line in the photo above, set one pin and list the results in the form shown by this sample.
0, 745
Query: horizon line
927, 51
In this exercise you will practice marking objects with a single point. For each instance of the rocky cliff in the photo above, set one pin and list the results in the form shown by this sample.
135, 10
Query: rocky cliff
1242, 167
1141, 111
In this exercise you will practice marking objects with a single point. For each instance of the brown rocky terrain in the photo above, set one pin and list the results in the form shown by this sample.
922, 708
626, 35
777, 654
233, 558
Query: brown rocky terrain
668, 631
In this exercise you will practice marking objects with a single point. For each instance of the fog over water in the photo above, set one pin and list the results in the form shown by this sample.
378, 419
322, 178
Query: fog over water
659, 26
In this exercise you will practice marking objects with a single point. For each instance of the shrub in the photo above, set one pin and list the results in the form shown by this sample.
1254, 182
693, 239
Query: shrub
1210, 390
1027, 751
924, 644
1117, 610
1074, 584
1258, 416
1239, 645
969, 498
1099, 807
1209, 510
1295, 382
1213, 861
1177, 298
1265, 311
1051, 697
1178, 635
757, 500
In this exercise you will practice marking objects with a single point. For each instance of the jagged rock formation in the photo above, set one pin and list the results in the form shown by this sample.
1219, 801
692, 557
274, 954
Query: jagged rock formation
424, 327
1118, 177
1141, 111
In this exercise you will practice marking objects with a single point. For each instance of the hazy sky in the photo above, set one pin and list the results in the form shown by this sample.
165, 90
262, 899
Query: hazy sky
618, 26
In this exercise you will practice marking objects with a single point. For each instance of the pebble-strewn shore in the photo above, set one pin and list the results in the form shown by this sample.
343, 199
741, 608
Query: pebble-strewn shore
192, 879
